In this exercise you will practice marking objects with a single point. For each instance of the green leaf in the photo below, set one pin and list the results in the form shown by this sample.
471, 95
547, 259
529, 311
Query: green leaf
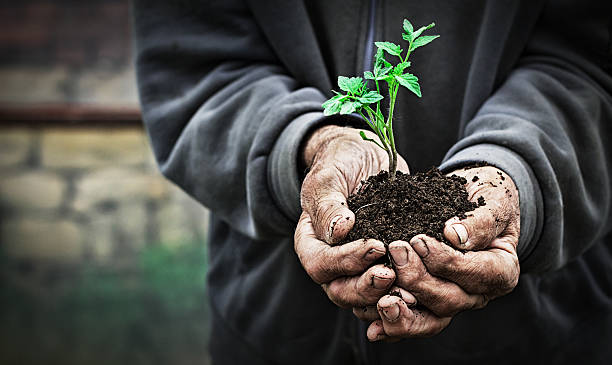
351, 84
410, 82
418, 32
333, 105
421, 41
350, 107
391, 48
368, 75
408, 28
381, 66
400, 67
365, 138
370, 97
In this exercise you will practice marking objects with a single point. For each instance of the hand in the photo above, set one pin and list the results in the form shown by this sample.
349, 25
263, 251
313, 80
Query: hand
447, 280
339, 160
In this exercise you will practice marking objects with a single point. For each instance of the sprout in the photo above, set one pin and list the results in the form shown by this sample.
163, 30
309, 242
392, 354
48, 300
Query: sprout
359, 99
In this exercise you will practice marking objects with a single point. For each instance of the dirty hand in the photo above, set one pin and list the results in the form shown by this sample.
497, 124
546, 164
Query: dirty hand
444, 280
339, 160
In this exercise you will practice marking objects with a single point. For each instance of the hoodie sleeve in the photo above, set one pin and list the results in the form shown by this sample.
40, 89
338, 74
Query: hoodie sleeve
224, 118
548, 127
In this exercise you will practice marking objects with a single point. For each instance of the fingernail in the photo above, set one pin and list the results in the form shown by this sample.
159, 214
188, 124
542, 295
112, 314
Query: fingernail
419, 247
461, 232
400, 255
373, 254
391, 313
380, 283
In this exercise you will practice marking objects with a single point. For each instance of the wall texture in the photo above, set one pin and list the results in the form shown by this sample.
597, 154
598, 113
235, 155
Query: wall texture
88, 194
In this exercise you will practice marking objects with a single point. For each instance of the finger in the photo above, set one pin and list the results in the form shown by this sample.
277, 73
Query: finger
399, 321
444, 298
499, 215
404, 294
324, 263
367, 314
362, 290
324, 199
476, 231
370, 313
492, 272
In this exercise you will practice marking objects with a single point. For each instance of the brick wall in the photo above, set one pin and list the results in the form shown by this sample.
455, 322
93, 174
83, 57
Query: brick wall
66, 51
74, 195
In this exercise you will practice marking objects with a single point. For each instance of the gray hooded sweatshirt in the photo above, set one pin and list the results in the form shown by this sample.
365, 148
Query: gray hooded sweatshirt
230, 88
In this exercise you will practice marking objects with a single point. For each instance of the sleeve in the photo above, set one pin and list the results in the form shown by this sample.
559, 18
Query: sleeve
548, 126
224, 118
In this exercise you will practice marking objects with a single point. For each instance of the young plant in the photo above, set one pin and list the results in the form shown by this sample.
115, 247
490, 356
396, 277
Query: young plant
359, 99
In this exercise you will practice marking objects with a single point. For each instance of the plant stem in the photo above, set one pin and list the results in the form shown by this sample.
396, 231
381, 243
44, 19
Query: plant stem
383, 140
393, 158
393, 89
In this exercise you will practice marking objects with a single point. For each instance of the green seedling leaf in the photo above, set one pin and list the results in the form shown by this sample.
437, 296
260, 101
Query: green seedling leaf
365, 138
368, 75
421, 41
410, 82
418, 32
370, 97
408, 28
399, 68
333, 105
381, 66
349, 107
391, 48
351, 84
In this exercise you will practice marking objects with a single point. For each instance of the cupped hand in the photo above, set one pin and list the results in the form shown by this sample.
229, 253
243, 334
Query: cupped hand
445, 280
339, 160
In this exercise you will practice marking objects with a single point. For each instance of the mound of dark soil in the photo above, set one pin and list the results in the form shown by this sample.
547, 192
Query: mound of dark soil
411, 204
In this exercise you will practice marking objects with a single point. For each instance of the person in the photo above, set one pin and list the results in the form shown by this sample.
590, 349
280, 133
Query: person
231, 95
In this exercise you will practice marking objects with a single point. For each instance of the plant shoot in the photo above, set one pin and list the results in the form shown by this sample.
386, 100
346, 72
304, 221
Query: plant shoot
359, 99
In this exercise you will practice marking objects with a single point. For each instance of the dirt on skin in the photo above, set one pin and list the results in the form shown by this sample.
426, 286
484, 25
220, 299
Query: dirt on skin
411, 204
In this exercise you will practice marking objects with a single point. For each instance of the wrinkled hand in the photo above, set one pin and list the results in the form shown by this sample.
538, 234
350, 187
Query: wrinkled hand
339, 160
443, 280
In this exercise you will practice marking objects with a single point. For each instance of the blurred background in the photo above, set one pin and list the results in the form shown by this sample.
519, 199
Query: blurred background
101, 260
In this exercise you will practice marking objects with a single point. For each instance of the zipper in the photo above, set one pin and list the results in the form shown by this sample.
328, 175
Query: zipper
369, 46
366, 352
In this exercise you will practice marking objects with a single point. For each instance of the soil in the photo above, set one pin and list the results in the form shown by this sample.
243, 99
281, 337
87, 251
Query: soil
411, 204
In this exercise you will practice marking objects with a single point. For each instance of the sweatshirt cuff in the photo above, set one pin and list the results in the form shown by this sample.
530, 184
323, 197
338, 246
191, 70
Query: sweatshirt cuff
530, 195
284, 179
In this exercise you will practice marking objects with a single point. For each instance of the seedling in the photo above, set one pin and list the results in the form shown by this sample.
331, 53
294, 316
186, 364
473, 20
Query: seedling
359, 99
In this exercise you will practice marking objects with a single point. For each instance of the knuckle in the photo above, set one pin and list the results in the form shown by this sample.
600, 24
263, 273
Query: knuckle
410, 279
316, 271
505, 280
448, 304
335, 293
351, 263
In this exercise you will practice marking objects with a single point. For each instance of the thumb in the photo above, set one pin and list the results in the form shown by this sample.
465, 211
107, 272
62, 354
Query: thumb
332, 220
477, 230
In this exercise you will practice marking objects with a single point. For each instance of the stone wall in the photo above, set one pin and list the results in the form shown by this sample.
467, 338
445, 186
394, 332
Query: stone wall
76, 195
